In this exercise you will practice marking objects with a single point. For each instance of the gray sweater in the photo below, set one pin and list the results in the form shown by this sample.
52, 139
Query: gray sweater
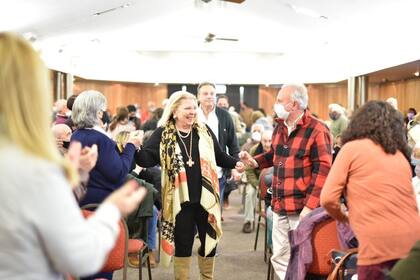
42, 232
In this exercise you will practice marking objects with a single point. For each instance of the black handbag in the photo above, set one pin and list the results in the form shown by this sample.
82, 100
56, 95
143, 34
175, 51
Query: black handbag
345, 264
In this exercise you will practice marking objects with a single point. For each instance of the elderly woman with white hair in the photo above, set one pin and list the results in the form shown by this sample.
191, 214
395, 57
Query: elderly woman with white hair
112, 167
188, 153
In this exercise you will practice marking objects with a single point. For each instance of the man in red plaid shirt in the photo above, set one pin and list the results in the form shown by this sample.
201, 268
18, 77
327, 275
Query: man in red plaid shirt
301, 157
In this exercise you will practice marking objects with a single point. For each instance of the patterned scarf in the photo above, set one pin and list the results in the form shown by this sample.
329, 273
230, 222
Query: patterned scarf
175, 188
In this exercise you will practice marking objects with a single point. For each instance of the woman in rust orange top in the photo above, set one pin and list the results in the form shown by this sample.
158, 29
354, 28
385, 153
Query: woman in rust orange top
373, 173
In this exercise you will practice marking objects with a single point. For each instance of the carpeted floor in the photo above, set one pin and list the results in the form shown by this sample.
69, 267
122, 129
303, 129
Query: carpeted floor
237, 259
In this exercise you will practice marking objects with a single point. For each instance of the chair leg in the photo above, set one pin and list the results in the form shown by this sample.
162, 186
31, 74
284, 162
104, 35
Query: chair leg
149, 270
141, 265
265, 241
257, 232
269, 270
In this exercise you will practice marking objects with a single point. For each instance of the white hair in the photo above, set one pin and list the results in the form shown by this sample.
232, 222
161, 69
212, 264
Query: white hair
268, 132
255, 125
299, 94
393, 101
172, 104
336, 108
86, 108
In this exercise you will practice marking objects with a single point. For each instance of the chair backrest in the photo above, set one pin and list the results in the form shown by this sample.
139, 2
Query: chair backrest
263, 183
324, 239
117, 257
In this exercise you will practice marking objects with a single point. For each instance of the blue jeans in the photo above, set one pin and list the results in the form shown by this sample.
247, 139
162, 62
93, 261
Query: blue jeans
222, 182
152, 229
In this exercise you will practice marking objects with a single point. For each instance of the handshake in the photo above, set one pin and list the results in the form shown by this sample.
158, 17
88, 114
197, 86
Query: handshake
247, 159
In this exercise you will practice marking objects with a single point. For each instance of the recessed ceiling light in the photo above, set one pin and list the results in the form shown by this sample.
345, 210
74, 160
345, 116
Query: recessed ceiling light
416, 73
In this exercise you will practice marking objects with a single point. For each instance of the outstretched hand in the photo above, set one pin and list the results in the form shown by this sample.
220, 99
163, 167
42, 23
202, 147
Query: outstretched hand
247, 159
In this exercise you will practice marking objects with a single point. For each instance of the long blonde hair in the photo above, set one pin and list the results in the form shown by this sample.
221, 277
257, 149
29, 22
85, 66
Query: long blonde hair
26, 99
172, 105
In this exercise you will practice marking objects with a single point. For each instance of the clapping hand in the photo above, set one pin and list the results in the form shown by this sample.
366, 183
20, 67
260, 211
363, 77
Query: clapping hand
136, 138
88, 158
240, 167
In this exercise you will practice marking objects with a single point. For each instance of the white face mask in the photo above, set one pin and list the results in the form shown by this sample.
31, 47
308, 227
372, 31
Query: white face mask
281, 111
417, 170
256, 136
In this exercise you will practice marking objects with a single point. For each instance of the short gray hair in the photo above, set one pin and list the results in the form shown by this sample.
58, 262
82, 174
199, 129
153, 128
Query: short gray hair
86, 108
299, 94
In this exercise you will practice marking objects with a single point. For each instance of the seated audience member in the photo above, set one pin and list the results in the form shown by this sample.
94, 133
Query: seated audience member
62, 114
252, 176
132, 118
152, 123
382, 208
62, 134
43, 234
120, 123
70, 102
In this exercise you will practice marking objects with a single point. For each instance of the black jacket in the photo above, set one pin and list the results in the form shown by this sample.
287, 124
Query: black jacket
227, 134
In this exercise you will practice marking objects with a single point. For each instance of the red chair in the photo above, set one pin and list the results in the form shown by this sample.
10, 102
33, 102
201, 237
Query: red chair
118, 257
324, 239
261, 212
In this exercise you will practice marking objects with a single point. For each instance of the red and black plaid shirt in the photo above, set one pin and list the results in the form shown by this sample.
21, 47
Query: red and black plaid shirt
301, 163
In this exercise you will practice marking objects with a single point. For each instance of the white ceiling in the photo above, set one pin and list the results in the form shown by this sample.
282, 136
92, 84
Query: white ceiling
163, 40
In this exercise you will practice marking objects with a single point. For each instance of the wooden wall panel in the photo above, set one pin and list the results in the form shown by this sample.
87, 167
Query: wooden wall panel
407, 93
122, 94
320, 96
267, 98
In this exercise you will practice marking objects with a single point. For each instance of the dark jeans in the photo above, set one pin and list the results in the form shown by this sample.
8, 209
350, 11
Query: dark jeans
222, 182
375, 271
191, 216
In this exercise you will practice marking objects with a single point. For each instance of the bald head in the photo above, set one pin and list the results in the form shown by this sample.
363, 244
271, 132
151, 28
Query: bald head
266, 139
62, 131
61, 106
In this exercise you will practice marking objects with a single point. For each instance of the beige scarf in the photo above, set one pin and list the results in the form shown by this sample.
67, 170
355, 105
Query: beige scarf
175, 188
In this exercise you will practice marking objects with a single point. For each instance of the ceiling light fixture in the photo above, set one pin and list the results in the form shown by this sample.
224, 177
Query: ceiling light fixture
417, 72
112, 9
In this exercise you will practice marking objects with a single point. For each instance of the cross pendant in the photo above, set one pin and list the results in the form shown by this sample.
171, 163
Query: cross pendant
190, 162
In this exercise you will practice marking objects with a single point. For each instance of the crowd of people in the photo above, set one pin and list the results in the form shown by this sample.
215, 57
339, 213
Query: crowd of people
185, 159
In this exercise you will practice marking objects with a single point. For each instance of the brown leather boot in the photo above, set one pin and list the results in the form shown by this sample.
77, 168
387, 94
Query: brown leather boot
206, 266
182, 268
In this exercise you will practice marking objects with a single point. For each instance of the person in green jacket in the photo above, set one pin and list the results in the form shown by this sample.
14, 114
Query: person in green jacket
339, 121
252, 177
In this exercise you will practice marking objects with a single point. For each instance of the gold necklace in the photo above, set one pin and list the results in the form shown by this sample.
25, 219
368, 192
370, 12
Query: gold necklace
190, 162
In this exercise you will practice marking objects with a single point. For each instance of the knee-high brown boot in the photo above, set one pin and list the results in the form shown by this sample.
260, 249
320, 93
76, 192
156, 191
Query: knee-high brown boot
182, 268
206, 265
